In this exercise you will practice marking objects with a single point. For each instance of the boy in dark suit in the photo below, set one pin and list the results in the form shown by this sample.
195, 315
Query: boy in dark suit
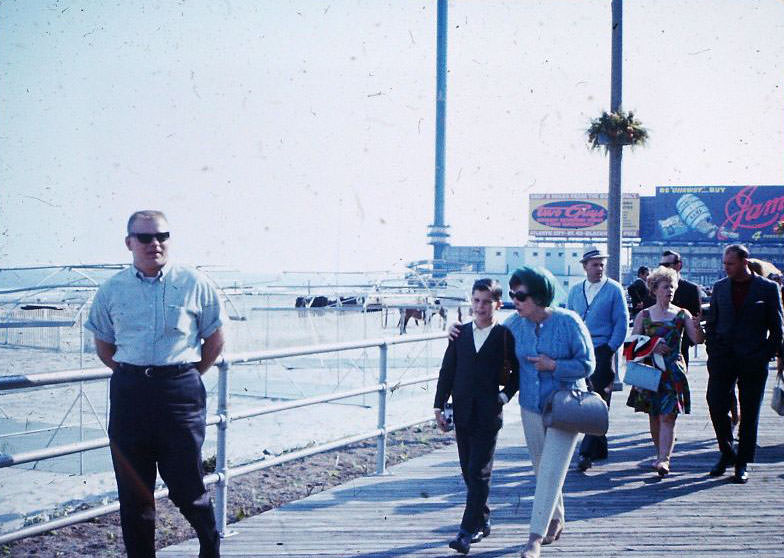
472, 367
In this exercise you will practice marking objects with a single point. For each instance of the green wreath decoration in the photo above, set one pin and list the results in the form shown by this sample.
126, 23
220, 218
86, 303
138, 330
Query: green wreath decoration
616, 128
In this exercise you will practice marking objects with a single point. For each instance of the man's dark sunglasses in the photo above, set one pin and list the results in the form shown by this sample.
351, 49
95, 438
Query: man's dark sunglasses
518, 295
667, 264
146, 238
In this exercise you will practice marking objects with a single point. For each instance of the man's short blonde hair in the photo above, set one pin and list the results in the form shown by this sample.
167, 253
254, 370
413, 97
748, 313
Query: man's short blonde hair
145, 214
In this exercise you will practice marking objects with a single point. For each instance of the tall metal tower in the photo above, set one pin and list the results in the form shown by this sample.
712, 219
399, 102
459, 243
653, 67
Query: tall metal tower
437, 232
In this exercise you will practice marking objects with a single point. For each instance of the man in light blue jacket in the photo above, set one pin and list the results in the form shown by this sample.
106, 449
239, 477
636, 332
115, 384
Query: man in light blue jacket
601, 303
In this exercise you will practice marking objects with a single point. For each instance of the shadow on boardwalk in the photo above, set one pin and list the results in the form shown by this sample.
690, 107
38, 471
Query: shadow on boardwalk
617, 508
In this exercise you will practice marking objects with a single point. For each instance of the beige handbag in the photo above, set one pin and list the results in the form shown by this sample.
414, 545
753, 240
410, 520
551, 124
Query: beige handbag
642, 376
575, 410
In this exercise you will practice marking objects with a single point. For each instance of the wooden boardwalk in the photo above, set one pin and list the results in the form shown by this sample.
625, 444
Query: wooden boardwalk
617, 508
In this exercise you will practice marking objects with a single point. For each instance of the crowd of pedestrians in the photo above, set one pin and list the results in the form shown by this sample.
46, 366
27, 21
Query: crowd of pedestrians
159, 327
574, 348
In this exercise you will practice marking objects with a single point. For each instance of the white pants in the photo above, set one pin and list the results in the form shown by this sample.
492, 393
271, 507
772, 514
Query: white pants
551, 451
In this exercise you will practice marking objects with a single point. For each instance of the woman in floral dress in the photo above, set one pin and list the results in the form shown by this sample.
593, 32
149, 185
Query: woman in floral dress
667, 322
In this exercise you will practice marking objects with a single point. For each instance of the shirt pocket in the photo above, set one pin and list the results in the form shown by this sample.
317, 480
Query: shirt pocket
757, 310
178, 320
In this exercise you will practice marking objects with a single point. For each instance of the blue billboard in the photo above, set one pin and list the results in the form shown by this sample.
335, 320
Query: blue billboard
746, 214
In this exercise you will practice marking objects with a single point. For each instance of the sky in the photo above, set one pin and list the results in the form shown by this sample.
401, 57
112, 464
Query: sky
295, 135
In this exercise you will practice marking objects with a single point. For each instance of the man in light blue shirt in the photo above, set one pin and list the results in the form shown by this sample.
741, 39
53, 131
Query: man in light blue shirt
149, 322
601, 303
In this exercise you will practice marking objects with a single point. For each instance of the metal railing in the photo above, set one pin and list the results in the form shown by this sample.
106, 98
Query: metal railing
223, 419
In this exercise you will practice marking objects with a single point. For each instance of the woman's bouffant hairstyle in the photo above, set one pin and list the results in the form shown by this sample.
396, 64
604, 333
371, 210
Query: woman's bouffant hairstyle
539, 282
755, 265
660, 274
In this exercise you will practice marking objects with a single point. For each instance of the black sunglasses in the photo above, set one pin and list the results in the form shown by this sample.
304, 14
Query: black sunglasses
146, 238
667, 264
519, 295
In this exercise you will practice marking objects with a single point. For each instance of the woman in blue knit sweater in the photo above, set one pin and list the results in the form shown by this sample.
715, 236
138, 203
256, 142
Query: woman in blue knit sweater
555, 351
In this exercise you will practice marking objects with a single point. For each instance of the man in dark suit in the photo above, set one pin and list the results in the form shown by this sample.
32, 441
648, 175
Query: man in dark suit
639, 295
472, 368
743, 332
687, 295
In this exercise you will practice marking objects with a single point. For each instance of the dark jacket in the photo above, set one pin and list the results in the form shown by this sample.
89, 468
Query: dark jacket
638, 292
755, 332
687, 296
471, 378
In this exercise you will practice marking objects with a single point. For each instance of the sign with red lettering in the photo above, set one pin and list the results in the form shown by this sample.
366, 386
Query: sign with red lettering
745, 214
579, 215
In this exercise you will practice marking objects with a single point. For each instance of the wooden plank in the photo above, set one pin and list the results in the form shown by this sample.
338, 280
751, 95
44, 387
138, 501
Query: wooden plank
617, 508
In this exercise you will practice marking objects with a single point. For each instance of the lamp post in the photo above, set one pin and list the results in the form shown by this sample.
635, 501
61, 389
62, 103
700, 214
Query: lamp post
615, 148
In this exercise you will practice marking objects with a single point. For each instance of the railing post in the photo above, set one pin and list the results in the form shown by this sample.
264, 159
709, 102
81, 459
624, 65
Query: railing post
221, 459
81, 387
381, 441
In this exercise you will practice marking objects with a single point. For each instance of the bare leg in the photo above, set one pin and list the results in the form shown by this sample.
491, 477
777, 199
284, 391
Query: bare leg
666, 442
654, 424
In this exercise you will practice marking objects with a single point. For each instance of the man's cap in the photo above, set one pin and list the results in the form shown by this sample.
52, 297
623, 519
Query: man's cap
592, 253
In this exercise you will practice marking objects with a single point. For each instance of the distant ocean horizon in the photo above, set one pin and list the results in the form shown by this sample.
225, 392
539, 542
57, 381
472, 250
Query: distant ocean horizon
226, 276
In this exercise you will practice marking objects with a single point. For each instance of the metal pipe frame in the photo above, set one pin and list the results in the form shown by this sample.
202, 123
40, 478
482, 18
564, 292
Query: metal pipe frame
269, 409
222, 419
21, 381
221, 455
211, 479
381, 440
328, 348
8, 460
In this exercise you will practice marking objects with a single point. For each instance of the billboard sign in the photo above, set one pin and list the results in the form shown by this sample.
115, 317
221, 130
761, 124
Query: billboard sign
719, 213
579, 215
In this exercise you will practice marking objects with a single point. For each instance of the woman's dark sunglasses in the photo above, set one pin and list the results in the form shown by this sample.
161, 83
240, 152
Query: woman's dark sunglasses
146, 238
521, 296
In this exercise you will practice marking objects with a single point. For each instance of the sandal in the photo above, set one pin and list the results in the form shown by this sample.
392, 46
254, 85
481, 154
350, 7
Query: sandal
554, 531
531, 550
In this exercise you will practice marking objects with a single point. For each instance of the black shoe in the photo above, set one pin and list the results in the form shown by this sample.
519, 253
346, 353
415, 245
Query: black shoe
740, 476
461, 543
724, 461
481, 533
585, 463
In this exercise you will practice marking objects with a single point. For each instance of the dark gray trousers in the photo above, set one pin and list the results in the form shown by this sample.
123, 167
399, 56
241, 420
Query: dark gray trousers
592, 446
751, 377
157, 425
476, 447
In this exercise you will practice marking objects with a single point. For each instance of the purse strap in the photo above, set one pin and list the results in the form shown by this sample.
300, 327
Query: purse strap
505, 364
